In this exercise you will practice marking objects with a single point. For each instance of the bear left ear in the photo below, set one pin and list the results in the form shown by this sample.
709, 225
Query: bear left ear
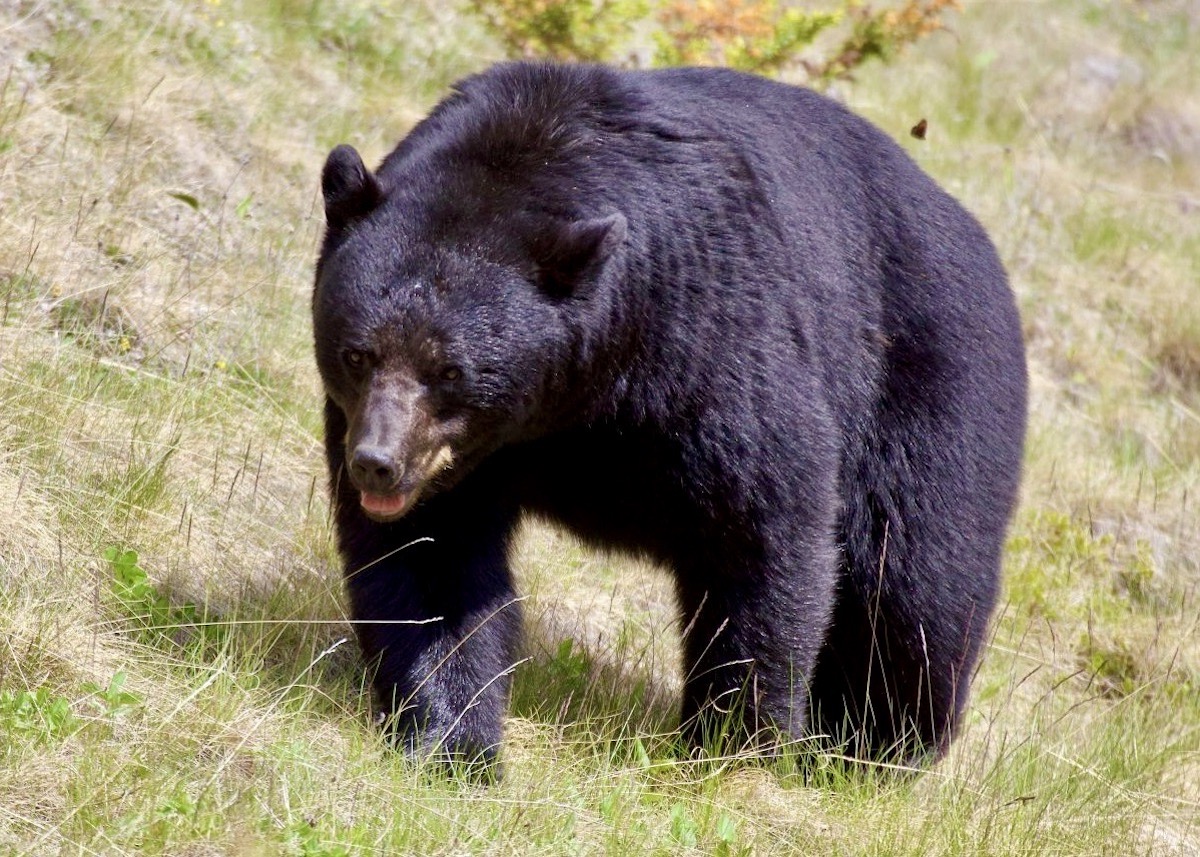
568, 252
350, 189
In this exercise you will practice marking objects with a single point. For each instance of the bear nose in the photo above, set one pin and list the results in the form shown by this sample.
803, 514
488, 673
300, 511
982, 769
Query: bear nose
373, 469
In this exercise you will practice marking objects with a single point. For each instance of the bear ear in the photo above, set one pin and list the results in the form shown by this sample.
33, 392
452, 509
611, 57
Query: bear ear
351, 191
567, 253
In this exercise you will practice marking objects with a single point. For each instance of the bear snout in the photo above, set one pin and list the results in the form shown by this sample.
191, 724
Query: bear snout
374, 469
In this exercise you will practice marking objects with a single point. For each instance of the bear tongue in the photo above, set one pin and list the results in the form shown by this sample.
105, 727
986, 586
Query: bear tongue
383, 505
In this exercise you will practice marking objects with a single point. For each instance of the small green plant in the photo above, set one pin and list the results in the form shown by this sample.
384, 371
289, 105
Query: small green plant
37, 715
114, 700
562, 684
135, 594
683, 826
726, 833
156, 620
177, 811
569, 665
1112, 665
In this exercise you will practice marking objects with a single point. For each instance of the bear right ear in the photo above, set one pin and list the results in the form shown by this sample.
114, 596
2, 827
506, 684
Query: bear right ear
351, 191
569, 253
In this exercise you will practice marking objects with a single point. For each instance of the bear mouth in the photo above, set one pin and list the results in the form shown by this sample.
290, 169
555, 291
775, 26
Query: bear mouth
394, 503
384, 507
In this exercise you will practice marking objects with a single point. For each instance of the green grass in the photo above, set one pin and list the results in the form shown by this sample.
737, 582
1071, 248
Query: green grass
176, 675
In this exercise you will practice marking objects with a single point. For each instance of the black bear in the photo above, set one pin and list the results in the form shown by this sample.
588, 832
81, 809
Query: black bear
695, 314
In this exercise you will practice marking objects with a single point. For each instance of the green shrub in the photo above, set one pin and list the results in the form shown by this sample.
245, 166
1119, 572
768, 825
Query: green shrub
580, 30
763, 36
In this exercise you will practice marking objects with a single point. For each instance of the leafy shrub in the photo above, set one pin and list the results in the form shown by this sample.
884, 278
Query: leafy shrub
581, 30
751, 35
881, 34
763, 36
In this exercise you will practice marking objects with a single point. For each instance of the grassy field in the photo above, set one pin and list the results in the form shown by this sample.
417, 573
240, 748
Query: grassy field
175, 670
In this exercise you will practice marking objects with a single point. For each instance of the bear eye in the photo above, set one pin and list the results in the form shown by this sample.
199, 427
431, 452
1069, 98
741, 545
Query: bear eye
354, 358
451, 373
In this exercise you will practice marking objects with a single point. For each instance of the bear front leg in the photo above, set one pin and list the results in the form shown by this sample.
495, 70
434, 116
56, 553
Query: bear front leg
439, 624
750, 649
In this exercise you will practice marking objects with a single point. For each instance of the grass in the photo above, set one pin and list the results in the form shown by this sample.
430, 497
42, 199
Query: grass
160, 213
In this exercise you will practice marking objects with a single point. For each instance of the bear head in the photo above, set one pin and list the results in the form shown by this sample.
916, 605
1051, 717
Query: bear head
446, 319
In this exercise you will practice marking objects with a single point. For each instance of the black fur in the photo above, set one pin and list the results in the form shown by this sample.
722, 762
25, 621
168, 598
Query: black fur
692, 314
